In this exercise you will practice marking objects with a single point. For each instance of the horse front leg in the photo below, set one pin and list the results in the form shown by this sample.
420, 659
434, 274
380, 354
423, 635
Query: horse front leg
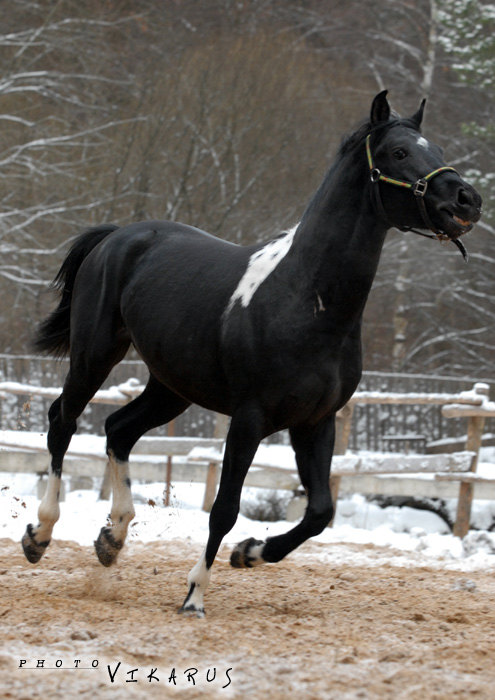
244, 436
86, 374
313, 446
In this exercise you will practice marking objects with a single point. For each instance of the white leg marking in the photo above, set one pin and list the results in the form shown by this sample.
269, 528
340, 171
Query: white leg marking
122, 506
261, 264
255, 554
247, 554
199, 574
49, 509
197, 580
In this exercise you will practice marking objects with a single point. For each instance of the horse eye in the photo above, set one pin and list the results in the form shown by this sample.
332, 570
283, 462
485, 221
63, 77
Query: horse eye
400, 153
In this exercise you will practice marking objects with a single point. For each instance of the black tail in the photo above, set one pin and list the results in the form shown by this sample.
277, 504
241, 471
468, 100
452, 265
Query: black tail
53, 334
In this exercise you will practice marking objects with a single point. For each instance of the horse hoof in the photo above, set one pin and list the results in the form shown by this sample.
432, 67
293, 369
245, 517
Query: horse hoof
190, 610
33, 550
247, 554
107, 547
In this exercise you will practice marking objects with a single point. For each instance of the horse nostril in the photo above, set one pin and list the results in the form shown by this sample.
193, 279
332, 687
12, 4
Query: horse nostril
465, 198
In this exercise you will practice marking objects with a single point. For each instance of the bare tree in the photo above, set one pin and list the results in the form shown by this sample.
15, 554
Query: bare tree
225, 115
53, 129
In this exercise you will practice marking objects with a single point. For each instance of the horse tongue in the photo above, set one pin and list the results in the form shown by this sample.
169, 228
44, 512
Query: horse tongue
461, 248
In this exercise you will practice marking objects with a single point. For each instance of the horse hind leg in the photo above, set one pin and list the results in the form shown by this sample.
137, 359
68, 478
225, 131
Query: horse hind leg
62, 417
36, 539
156, 406
112, 537
82, 382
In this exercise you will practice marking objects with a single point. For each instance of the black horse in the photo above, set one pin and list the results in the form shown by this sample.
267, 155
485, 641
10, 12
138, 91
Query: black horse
268, 334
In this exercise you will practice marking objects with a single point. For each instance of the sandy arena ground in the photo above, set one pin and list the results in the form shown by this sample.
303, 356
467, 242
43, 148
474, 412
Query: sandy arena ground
300, 629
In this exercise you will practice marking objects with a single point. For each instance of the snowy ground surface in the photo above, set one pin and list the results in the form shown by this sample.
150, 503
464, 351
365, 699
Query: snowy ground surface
404, 533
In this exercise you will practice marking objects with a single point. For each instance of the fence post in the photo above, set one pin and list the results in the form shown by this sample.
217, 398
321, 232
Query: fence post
220, 431
465, 499
168, 478
466, 490
343, 424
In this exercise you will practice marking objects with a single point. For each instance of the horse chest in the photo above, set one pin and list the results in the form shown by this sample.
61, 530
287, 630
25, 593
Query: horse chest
297, 374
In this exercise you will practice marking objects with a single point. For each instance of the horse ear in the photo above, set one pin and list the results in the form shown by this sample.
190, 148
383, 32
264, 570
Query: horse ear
380, 109
417, 117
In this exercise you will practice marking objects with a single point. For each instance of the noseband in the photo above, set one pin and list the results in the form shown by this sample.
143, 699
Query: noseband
418, 189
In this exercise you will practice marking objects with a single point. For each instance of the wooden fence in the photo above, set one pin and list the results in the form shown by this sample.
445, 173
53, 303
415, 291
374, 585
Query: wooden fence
202, 456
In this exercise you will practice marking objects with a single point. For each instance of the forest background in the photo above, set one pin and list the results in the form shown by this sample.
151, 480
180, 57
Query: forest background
226, 115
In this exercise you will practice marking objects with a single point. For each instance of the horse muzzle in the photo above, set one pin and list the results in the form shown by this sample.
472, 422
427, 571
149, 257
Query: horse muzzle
458, 217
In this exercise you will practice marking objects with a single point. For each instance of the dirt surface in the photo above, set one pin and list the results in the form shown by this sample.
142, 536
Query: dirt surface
303, 628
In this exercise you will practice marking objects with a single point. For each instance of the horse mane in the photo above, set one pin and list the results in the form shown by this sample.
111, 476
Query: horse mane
356, 137
363, 128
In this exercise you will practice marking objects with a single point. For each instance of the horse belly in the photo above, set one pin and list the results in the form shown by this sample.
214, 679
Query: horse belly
181, 351
187, 362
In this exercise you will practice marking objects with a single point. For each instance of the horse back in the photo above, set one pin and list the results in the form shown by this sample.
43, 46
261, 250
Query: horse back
163, 287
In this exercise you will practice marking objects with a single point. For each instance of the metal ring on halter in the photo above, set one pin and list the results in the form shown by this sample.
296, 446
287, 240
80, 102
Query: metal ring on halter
375, 175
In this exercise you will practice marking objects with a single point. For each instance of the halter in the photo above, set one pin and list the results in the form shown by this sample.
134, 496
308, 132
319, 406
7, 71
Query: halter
419, 189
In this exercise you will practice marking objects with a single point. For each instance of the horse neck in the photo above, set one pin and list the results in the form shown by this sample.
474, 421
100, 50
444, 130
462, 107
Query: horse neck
339, 240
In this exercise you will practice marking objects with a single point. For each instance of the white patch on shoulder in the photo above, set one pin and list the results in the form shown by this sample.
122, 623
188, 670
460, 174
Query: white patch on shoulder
421, 141
261, 264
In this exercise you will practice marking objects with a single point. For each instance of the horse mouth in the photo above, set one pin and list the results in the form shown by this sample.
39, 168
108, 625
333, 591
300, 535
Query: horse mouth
455, 226
462, 222
462, 226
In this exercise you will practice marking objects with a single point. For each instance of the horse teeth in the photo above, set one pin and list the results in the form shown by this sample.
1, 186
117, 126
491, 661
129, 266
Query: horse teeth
460, 221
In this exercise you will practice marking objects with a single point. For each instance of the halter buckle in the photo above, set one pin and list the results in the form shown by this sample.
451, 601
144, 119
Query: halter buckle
420, 187
375, 175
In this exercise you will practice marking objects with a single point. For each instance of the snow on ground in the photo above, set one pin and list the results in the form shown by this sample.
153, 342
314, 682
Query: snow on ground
405, 535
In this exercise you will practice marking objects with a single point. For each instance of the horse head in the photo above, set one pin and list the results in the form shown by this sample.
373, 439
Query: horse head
411, 185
